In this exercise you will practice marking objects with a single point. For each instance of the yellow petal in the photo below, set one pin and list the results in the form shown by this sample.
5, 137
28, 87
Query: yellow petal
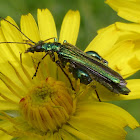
134, 86
57, 136
5, 125
70, 27
128, 31
104, 41
133, 27
46, 24
4, 105
4, 136
131, 32
28, 138
102, 121
29, 28
15, 79
65, 135
7, 94
11, 34
6, 52
78, 135
49, 136
127, 9
124, 63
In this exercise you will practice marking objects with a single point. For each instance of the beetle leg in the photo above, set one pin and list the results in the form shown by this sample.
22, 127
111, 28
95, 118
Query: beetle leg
97, 95
38, 65
58, 63
93, 86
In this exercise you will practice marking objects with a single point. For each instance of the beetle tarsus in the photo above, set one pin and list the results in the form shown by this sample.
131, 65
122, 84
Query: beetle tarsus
97, 95
34, 76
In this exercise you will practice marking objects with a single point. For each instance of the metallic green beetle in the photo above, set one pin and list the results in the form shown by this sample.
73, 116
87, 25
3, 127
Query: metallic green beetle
87, 66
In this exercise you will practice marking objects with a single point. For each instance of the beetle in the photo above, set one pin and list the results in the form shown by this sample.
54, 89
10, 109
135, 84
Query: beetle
86, 66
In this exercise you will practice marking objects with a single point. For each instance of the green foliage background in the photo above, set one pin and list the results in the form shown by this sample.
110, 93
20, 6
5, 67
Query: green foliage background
95, 14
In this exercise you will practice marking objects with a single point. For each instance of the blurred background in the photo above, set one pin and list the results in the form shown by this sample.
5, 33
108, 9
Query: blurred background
95, 14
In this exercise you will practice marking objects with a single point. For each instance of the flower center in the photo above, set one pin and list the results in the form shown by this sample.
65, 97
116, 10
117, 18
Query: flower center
47, 106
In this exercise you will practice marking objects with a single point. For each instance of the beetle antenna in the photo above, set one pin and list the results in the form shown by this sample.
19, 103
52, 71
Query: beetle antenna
18, 29
55, 39
17, 43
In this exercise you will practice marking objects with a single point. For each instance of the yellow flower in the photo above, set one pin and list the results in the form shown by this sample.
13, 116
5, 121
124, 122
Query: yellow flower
47, 108
119, 45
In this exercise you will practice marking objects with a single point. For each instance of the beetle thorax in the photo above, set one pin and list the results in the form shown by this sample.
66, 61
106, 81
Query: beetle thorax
51, 47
